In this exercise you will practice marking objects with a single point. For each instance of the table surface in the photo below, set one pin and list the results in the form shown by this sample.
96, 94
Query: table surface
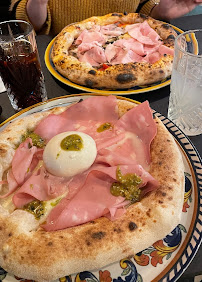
158, 100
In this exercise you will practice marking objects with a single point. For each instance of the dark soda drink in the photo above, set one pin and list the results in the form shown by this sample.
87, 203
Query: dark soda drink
21, 74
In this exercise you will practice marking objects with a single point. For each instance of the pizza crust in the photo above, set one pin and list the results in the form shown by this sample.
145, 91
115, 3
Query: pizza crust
117, 76
32, 253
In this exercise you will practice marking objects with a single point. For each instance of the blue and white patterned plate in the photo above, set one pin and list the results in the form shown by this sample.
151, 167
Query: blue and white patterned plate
166, 259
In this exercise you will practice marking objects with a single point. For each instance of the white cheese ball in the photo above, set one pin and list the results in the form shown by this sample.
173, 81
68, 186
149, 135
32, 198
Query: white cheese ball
67, 163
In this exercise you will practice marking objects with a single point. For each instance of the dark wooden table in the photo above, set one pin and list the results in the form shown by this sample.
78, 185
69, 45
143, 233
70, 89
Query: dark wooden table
158, 100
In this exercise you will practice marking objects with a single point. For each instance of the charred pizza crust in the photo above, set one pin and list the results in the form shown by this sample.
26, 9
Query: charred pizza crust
30, 252
117, 76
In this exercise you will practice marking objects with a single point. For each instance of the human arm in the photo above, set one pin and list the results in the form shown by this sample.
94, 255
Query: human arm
170, 9
18, 9
37, 12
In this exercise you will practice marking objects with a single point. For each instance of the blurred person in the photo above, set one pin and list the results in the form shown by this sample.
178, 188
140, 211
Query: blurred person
53, 15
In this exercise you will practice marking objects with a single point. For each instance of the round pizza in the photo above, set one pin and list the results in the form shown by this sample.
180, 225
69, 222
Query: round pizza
85, 185
115, 51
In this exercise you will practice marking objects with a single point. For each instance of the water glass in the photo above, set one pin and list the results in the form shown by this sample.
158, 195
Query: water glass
185, 103
20, 67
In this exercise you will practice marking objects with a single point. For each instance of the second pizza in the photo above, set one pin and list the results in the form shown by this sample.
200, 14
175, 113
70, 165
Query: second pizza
115, 51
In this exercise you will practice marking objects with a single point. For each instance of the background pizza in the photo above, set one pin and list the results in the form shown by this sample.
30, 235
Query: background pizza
115, 51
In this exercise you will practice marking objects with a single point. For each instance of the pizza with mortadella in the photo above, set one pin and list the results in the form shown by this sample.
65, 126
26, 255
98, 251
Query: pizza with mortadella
84, 186
115, 51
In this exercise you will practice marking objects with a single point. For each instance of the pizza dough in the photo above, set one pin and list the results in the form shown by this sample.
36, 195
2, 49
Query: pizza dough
30, 252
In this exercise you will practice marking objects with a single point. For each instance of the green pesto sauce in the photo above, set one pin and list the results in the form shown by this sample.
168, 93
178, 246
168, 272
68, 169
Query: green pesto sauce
53, 204
127, 186
36, 139
73, 142
104, 126
58, 154
36, 207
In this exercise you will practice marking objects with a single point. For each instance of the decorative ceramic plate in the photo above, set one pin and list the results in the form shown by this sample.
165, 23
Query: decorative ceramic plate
133, 90
166, 259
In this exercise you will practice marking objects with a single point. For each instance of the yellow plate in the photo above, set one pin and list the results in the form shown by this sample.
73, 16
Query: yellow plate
133, 90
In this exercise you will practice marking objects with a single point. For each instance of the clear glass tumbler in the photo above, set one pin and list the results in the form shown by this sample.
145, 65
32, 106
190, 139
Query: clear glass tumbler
20, 67
185, 103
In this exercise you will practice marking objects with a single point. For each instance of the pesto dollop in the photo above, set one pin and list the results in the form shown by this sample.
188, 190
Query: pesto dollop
56, 202
72, 142
104, 126
36, 207
36, 139
127, 186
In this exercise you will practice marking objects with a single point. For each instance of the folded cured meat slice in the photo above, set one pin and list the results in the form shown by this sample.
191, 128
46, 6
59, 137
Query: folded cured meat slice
143, 33
139, 121
22, 160
131, 44
22, 164
94, 56
80, 116
166, 50
111, 30
90, 36
117, 55
152, 57
95, 199
42, 186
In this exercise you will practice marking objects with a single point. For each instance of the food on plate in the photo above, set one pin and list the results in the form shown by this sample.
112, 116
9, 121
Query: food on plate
54, 221
69, 153
115, 51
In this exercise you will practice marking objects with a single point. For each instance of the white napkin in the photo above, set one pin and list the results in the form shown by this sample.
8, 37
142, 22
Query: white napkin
2, 87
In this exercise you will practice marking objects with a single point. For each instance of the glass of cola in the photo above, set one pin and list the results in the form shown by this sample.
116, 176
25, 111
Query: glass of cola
20, 67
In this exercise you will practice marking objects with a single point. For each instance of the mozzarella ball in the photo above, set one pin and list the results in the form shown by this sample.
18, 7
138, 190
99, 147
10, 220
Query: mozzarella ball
69, 153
